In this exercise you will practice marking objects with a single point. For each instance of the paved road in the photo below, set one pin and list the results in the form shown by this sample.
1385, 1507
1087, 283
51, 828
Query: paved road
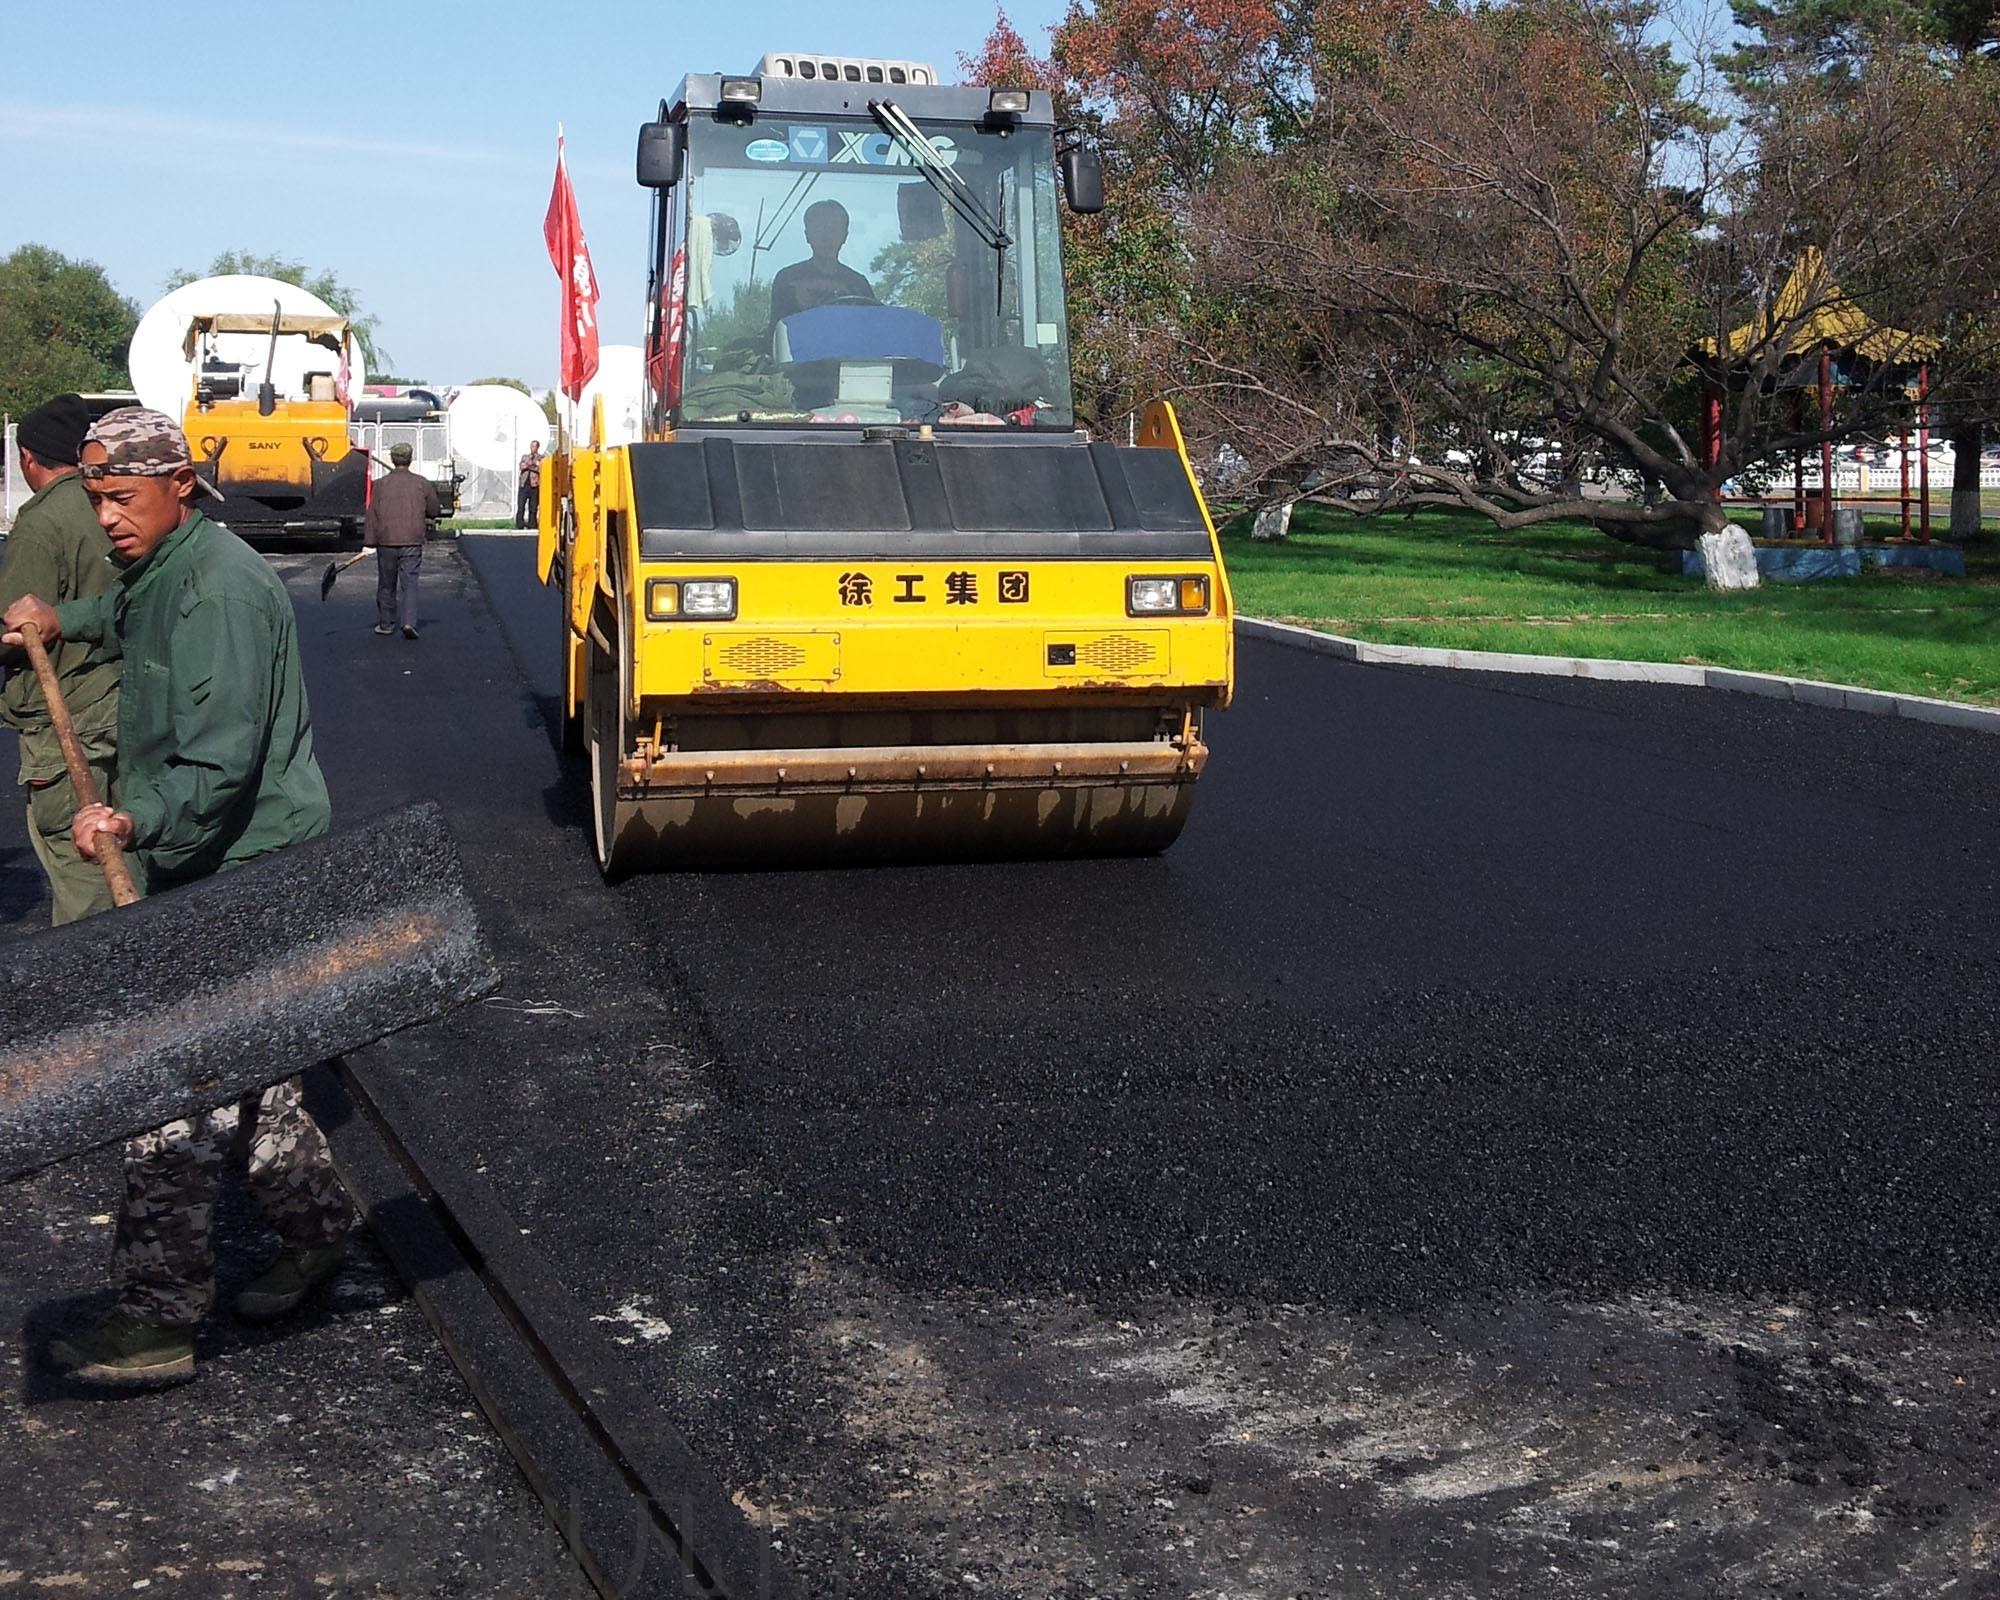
1571, 1035
1526, 1138
1538, 983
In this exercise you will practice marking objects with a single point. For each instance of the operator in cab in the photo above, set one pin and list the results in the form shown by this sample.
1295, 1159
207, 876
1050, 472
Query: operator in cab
823, 279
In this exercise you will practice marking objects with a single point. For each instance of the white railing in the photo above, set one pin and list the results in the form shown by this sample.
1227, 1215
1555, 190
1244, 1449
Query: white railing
12, 490
1879, 481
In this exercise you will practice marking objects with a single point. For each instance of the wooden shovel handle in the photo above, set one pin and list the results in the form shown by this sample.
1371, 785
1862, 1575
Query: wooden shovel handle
109, 855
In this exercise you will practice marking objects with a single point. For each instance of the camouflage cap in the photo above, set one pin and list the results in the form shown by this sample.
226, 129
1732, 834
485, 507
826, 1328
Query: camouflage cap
138, 443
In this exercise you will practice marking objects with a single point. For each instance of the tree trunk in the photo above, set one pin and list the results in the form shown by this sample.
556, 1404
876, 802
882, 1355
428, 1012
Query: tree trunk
1273, 524
1729, 560
1678, 534
1968, 440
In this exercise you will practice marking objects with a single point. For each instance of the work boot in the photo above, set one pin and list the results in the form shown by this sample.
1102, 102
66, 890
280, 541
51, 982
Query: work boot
384, 629
409, 630
126, 1351
286, 1283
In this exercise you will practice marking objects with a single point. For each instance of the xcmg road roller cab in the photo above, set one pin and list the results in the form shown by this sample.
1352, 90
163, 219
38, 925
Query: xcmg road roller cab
865, 588
282, 460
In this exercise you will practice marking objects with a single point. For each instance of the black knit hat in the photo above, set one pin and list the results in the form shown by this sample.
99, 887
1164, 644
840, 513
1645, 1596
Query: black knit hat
55, 431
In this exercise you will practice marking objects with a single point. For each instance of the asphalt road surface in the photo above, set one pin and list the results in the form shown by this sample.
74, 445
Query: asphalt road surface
1526, 1138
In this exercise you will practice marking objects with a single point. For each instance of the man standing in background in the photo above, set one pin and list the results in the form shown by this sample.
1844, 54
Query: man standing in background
58, 551
401, 507
527, 498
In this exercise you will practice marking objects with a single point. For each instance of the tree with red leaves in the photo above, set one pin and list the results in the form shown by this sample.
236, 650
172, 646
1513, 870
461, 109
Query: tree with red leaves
1179, 85
1004, 60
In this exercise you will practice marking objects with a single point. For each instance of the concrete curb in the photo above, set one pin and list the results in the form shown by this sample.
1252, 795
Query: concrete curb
1801, 691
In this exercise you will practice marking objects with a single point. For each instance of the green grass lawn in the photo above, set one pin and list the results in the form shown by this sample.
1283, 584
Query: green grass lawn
1451, 579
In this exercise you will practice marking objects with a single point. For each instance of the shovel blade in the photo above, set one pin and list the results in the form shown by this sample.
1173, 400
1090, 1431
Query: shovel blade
202, 994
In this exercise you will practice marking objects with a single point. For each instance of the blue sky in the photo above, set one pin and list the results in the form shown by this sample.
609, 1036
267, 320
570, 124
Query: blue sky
408, 147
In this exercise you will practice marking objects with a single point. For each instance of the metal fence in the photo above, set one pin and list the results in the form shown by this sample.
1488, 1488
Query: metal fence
1879, 479
430, 448
489, 492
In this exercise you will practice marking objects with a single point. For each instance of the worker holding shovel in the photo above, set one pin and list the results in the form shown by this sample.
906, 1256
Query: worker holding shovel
216, 768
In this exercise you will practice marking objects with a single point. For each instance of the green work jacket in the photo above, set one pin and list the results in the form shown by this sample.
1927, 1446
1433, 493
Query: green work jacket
59, 553
215, 746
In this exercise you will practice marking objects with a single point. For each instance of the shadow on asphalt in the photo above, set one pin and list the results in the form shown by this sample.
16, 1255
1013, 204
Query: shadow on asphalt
24, 905
242, 1248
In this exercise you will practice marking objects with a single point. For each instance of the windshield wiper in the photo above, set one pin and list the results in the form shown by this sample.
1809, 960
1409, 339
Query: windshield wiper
942, 175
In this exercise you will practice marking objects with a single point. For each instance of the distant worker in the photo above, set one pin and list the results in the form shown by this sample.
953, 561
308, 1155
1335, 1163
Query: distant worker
58, 550
216, 769
528, 493
401, 508
824, 279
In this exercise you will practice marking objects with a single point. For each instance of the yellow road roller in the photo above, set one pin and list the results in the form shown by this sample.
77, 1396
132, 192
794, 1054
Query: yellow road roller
281, 458
863, 589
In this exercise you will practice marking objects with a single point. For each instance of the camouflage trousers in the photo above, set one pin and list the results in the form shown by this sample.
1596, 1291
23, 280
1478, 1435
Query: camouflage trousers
163, 1263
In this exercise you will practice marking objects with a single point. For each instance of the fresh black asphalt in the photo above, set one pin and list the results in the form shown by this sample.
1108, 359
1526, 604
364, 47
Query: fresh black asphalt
1459, 990
1454, 982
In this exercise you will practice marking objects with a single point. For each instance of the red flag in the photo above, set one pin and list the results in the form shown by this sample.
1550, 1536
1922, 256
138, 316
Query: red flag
665, 366
563, 232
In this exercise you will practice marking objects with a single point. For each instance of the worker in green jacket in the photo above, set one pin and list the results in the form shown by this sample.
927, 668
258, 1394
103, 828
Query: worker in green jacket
217, 768
58, 551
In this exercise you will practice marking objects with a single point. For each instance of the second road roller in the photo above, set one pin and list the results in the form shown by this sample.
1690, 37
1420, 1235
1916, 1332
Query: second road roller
864, 589
282, 462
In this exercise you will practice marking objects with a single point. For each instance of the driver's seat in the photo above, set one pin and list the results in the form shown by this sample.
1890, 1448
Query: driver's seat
861, 333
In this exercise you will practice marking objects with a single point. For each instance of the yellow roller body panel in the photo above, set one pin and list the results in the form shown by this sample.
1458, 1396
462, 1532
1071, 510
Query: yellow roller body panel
1007, 697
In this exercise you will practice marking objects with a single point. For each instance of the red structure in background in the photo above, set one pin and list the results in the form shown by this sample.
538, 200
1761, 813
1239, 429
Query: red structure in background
1836, 334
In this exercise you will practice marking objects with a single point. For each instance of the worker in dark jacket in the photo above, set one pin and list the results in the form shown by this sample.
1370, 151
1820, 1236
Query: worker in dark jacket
216, 766
401, 508
528, 486
58, 550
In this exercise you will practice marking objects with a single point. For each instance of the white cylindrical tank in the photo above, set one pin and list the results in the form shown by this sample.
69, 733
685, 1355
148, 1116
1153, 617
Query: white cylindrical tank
489, 427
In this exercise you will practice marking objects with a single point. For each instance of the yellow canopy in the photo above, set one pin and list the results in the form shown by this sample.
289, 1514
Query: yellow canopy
1834, 320
325, 329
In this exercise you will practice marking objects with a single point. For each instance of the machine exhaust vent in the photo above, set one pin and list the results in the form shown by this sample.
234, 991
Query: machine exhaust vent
762, 658
1115, 653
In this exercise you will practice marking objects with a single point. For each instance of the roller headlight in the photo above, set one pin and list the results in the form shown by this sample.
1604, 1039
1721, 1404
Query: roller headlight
709, 597
713, 599
1166, 597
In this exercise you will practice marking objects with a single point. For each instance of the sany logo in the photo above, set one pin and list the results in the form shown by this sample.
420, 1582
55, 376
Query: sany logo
879, 150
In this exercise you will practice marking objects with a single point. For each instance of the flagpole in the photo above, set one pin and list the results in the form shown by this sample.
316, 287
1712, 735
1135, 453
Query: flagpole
567, 409
562, 230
